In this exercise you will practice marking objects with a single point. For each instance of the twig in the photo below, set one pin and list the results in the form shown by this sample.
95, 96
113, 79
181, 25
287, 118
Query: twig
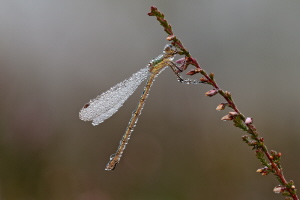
269, 159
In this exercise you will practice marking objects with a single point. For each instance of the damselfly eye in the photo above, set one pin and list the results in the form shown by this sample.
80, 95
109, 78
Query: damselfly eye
169, 50
168, 47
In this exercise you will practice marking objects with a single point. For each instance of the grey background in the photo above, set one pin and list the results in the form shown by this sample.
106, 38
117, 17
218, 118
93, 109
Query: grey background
56, 55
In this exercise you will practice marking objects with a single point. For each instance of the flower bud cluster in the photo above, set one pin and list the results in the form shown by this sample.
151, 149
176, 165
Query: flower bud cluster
263, 171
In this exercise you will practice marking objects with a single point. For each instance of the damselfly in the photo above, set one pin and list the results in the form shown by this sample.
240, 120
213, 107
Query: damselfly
108, 103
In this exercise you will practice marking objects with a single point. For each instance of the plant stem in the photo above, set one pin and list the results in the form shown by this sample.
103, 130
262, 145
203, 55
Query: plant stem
273, 164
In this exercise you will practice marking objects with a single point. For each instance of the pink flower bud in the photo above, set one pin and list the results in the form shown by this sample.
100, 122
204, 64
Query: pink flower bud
264, 173
278, 189
233, 114
221, 106
248, 120
170, 37
211, 93
279, 154
203, 79
180, 61
227, 118
259, 170
293, 186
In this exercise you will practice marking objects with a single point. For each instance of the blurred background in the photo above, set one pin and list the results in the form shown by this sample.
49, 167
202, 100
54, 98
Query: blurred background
57, 55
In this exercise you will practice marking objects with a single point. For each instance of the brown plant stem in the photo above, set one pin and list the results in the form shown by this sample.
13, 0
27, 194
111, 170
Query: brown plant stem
257, 143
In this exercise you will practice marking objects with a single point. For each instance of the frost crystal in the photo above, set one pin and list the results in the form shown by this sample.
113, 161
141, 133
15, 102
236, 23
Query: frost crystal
108, 103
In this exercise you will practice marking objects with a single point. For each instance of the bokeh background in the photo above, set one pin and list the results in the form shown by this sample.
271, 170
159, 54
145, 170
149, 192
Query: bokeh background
56, 55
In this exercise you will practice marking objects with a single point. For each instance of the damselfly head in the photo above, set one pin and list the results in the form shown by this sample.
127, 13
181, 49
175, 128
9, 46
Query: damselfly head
170, 49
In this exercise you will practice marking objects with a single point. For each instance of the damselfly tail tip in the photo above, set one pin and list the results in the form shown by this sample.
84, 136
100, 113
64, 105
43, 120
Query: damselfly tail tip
113, 161
111, 165
108, 168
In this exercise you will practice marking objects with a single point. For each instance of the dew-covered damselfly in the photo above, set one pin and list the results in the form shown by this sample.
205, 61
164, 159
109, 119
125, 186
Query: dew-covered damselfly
108, 103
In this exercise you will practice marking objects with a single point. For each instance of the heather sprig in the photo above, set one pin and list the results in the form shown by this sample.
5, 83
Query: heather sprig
269, 159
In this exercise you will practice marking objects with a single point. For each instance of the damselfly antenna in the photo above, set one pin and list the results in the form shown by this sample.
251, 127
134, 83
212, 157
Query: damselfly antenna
108, 103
